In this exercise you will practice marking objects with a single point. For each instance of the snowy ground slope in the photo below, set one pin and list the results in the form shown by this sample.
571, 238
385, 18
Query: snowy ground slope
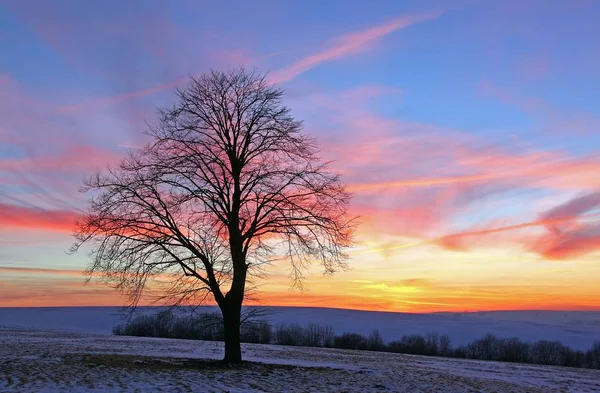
35, 361
575, 329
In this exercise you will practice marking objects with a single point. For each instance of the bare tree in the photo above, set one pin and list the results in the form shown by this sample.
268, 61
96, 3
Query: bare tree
228, 183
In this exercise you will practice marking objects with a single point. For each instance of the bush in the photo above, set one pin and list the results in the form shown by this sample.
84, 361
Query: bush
593, 356
317, 336
460, 352
547, 352
289, 334
574, 358
142, 325
165, 324
258, 332
514, 350
445, 345
486, 348
375, 341
350, 341
312, 335
413, 344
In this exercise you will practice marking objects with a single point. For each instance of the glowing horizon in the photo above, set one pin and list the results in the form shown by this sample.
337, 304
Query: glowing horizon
467, 133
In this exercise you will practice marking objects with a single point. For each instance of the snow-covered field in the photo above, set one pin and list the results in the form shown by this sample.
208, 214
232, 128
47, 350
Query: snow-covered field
575, 329
70, 349
37, 361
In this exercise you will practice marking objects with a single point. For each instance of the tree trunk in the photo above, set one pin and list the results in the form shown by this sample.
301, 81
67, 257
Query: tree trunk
231, 307
231, 325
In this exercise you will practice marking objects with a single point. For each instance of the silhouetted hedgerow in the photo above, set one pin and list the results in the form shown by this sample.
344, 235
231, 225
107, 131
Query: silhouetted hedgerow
209, 327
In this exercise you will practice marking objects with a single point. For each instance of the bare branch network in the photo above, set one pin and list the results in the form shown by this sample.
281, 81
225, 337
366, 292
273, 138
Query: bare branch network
228, 182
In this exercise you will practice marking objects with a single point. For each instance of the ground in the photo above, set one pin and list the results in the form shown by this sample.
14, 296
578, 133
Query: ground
37, 361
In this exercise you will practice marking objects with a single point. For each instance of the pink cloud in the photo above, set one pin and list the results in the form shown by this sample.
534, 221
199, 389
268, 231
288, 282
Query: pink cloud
488, 234
573, 208
54, 177
571, 232
569, 245
349, 44
50, 154
411, 215
423, 177
74, 158
576, 237
20, 217
382, 154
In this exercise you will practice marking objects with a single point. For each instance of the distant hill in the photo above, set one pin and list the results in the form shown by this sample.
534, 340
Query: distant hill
576, 329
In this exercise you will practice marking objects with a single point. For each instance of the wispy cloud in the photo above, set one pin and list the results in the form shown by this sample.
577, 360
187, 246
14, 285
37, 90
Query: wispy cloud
417, 181
572, 230
121, 97
571, 238
346, 45
35, 218
35, 271
349, 44
549, 116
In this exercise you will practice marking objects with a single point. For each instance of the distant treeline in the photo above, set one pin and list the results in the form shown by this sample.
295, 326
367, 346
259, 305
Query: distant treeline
209, 327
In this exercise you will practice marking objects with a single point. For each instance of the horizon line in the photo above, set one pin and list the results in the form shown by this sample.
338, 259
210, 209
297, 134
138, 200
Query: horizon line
318, 307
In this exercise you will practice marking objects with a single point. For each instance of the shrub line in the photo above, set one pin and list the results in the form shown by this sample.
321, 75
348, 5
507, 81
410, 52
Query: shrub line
209, 327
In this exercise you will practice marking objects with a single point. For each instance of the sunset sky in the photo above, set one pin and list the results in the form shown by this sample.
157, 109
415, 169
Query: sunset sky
469, 132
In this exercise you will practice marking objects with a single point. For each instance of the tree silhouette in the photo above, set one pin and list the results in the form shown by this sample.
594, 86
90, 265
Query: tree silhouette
227, 183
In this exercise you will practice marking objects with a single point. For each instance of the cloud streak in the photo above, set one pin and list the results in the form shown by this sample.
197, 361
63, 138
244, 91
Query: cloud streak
35, 271
406, 185
550, 117
579, 237
345, 45
20, 217
349, 44
572, 231
121, 97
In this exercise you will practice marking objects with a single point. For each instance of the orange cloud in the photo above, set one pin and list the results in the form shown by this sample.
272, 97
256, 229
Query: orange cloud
297, 299
56, 293
349, 44
34, 270
411, 295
